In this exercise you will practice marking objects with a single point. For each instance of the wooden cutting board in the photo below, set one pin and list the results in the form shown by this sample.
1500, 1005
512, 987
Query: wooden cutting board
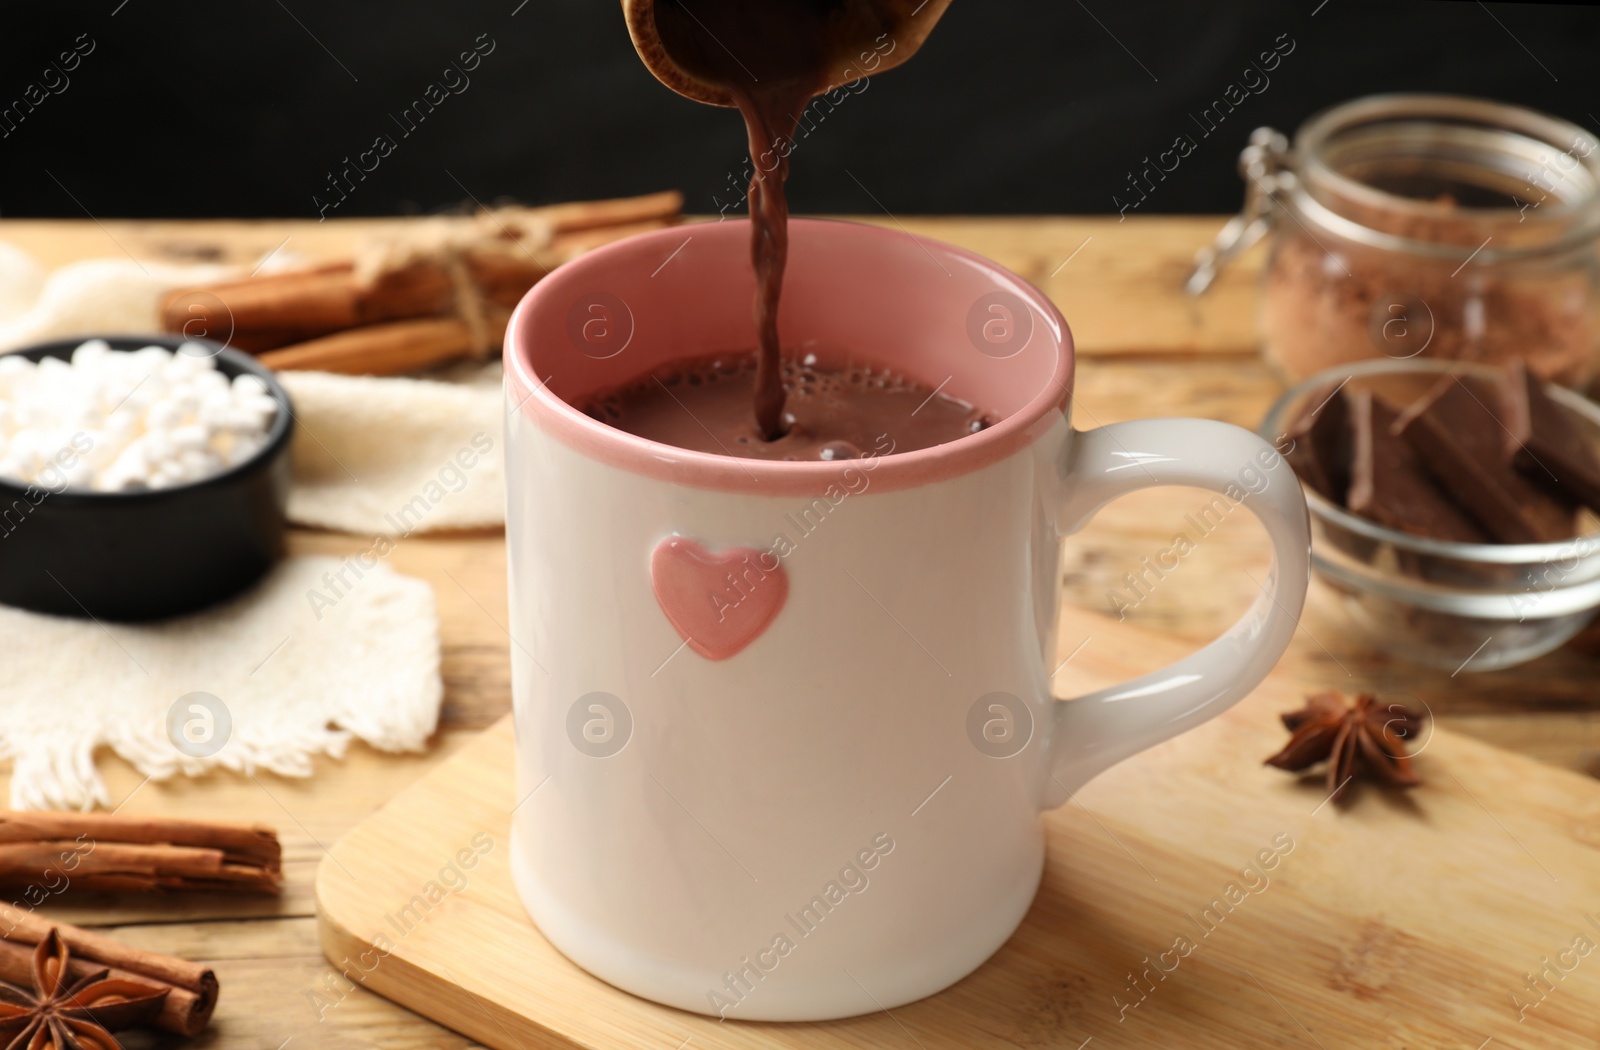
1400, 920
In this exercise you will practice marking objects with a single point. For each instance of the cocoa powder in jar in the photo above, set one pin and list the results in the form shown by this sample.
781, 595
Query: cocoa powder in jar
1325, 305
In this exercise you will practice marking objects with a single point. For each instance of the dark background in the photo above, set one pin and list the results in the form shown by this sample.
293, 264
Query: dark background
190, 109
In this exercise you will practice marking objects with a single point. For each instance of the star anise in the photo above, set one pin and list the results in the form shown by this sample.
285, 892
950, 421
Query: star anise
61, 1014
1367, 736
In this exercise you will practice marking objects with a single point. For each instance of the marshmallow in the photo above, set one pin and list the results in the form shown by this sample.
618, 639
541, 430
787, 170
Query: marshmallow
112, 421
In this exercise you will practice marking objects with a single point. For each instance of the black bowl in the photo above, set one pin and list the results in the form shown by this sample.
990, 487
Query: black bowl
149, 554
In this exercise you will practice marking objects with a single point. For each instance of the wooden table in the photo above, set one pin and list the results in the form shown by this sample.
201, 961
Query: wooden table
1145, 350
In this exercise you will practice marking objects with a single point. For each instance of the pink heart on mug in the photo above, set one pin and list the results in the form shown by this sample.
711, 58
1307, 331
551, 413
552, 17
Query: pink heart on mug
719, 602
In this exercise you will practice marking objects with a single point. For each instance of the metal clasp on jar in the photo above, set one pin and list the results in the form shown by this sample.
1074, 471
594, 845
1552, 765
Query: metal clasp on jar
1265, 166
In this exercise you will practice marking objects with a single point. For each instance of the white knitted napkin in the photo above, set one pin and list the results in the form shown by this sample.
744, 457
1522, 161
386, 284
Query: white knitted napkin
396, 456
371, 456
95, 296
294, 668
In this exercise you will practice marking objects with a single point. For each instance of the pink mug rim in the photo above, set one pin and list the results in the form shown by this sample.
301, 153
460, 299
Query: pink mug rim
898, 470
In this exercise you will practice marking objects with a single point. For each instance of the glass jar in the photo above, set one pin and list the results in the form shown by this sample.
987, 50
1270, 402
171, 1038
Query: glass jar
1423, 226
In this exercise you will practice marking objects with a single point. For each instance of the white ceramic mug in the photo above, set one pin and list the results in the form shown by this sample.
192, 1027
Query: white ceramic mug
785, 730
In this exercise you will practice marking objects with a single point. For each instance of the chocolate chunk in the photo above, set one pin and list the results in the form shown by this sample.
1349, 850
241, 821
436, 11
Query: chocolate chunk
1389, 486
1321, 451
1460, 441
1544, 439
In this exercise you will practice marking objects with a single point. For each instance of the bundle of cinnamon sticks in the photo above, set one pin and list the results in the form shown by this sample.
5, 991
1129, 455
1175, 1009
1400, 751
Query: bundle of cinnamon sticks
443, 289
43, 854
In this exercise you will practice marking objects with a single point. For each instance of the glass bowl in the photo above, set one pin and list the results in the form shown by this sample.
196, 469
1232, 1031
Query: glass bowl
1455, 606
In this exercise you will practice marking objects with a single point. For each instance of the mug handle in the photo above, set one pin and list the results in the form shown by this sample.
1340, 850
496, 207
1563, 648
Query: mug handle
1101, 729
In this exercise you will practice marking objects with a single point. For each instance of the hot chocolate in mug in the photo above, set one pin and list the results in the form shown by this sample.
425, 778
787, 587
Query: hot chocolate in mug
785, 730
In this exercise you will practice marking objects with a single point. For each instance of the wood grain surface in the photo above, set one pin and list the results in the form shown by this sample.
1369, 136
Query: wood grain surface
1147, 351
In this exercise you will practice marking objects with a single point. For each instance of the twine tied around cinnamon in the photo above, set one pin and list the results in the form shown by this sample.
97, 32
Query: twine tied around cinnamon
448, 243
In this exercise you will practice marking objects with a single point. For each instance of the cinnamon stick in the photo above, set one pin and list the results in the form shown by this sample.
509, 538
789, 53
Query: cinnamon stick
386, 349
311, 301
620, 211
110, 852
505, 277
243, 840
115, 867
189, 1005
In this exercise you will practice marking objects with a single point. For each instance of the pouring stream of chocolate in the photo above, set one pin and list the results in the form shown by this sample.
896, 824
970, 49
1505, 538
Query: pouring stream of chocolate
769, 238
772, 58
